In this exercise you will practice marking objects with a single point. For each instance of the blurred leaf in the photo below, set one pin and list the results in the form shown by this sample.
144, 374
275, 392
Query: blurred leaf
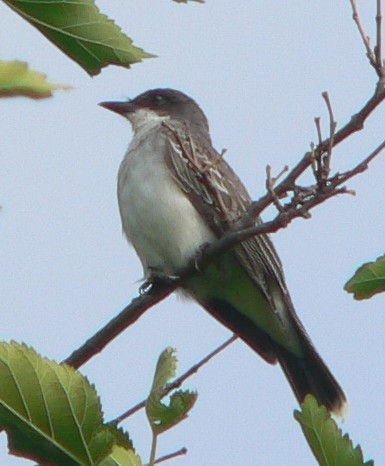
165, 371
325, 439
161, 416
16, 79
368, 280
109, 434
51, 413
121, 457
81, 32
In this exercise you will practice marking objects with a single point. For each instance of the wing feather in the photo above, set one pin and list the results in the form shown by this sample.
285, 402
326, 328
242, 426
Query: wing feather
222, 199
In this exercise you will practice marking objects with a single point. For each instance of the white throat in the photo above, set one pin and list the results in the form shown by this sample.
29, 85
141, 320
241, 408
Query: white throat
144, 119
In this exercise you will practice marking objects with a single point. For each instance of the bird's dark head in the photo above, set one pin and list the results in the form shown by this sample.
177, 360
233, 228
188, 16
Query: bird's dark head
165, 104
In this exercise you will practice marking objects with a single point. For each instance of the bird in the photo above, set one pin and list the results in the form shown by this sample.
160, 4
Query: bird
177, 194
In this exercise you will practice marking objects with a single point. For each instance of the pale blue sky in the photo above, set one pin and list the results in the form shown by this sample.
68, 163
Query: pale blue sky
257, 69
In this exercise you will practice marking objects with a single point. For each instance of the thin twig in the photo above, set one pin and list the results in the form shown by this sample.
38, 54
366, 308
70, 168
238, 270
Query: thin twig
313, 159
374, 57
170, 456
364, 37
178, 382
362, 166
332, 130
378, 49
316, 155
355, 124
317, 121
270, 183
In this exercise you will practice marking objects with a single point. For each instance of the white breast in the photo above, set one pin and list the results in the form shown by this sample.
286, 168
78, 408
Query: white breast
158, 219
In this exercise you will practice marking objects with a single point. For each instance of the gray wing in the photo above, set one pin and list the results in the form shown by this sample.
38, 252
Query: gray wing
221, 198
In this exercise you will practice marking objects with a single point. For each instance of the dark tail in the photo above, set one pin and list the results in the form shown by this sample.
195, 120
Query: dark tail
306, 373
309, 374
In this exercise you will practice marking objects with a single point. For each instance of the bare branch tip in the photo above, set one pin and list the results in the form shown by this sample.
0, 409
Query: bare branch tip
317, 121
180, 452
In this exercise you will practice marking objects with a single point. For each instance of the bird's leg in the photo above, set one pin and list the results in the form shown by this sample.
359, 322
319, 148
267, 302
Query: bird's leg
196, 261
156, 279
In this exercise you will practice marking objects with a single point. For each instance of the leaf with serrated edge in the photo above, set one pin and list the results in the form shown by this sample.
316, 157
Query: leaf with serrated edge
16, 79
368, 280
51, 413
325, 439
108, 434
161, 416
81, 32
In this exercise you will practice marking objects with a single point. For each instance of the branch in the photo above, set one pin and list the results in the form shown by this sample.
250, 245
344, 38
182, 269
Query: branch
124, 319
303, 201
378, 49
374, 56
355, 124
182, 451
300, 201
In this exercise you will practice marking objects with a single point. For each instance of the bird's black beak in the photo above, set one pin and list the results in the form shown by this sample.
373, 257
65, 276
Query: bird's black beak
122, 108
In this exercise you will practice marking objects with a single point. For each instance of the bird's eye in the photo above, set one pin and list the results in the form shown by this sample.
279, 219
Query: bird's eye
157, 98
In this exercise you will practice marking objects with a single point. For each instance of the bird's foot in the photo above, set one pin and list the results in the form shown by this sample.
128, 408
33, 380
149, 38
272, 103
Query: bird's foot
157, 280
197, 259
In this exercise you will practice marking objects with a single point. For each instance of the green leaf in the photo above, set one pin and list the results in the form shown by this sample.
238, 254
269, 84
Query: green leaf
325, 439
16, 79
81, 32
108, 434
121, 457
164, 372
368, 280
161, 416
51, 413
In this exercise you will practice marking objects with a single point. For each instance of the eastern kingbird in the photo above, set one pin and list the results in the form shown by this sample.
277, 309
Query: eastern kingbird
176, 193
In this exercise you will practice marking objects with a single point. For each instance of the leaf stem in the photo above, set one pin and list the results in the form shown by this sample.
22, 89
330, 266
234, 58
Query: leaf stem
153, 448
